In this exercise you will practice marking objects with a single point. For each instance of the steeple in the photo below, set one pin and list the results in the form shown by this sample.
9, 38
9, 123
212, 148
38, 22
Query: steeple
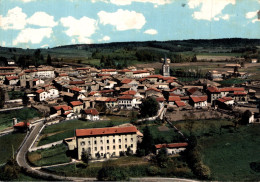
165, 67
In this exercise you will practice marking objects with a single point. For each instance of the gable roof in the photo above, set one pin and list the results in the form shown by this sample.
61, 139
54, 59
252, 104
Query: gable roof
174, 98
160, 99
126, 81
40, 91
154, 89
225, 99
11, 77
171, 145
129, 92
93, 112
125, 97
199, 98
180, 103
76, 103
213, 89
105, 131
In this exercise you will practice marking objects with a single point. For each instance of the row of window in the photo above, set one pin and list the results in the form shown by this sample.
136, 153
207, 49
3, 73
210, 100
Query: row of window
108, 148
101, 141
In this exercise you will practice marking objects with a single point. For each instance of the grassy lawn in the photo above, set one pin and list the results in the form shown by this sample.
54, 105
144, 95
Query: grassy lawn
15, 95
22, 114
67, 129
229, 155
201, 127
232, 81
50, 156
7, 141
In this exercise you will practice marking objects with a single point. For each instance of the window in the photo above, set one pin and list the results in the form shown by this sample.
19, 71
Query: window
95, 148
107, 147
83, 149
107, 141
82, 143
114, 147
114, 153
132, 146
125, 146
101, 148
114, 141
132, 139
125, 139
119, 146
101, 154
89, 142
119, 140
101, 141
95, 142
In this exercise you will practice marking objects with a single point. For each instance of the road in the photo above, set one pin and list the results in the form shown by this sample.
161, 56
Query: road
22, 162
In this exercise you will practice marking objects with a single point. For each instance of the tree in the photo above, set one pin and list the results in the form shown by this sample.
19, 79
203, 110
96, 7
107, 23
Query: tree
246, 116
85, 158
149, 107
25, 99
10, 171
2, 97
162, 158
112, 172
148, 141
49, 61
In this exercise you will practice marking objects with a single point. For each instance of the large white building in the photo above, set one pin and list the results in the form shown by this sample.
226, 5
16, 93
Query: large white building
104, 142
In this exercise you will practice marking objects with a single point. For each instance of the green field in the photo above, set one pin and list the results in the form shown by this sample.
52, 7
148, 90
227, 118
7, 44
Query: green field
7, 141
21, 115
50, 156
66, 129
15, 95
229, 155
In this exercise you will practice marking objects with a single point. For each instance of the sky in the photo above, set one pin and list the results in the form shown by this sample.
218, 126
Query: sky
51, 23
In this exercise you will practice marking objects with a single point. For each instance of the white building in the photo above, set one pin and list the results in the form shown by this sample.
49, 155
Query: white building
106, 142
90, 114
198, 101
44, 74
172, 148
41, 95
126, 102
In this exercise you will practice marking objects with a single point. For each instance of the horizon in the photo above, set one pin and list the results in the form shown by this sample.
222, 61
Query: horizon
50, 23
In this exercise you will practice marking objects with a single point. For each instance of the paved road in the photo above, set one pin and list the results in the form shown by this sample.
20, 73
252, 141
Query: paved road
22, 162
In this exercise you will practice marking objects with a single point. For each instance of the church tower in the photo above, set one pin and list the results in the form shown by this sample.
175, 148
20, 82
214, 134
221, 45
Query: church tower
165, 68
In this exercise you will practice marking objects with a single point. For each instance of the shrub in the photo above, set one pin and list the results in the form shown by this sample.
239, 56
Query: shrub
153, 170
112, 173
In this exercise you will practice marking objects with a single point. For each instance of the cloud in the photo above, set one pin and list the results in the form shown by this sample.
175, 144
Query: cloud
3, 44
42, 19
27, 1
81, 28
128, 2
14, 19
45, 45
252, 15
34, 36
151, 31
105, 38
210, 9
122, 19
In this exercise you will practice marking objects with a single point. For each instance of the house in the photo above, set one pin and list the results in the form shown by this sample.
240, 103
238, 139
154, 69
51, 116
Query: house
44, 73
22, 126
213, 94
227, 100
41, 95
53, 93
111, 103
11, 80
140, 74
37, 81
126, 102
109, 71
90, 114
77, 106
171, 148
160, 100
172, 100
153, 92
106, 142
198, 101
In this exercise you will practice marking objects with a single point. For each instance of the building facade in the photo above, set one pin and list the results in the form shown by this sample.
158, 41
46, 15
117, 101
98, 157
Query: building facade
106, 142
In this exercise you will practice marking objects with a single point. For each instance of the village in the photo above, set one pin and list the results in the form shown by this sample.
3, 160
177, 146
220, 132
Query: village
90, 94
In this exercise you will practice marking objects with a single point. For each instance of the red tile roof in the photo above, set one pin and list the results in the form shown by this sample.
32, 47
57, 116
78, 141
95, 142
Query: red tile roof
129, 92
82, 68
63, 74
125, 81
192, 90
232, 89
111, 100
239, 93
22, 124
76, 103
224, 99
124, 70
59, 107
180, 103
171, 145
66, 113
140, 71
75, 89
169, 78
108, 70
213, 89
7, 68
100, 75
66, 108
174, 98
185, 97
105, 131
4, 74
39, 91
11, 77
77, 82
93, 112
35, 80
125, 97
199, 98
92, 93
154, 89
155, 76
